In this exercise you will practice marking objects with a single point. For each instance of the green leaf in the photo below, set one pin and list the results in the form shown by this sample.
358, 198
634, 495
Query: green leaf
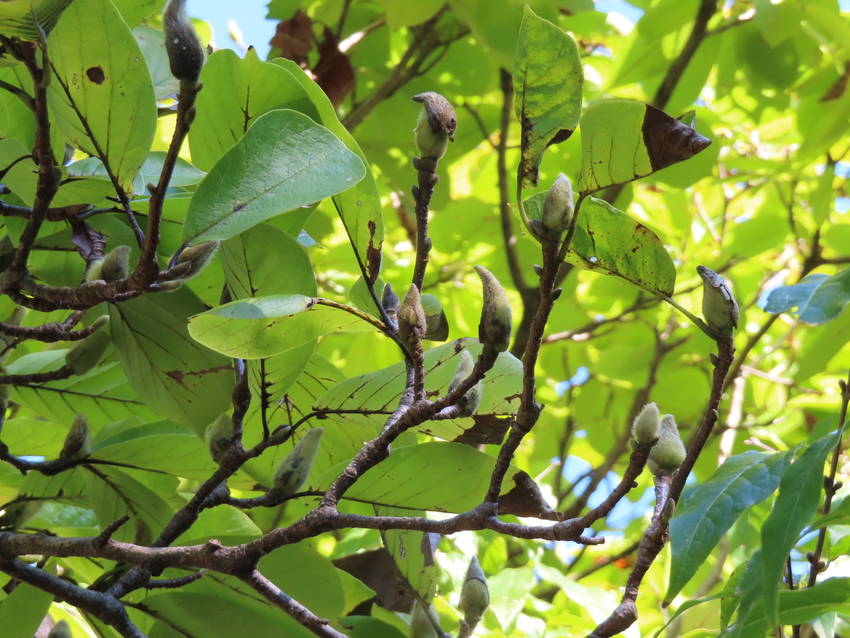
359, 208
259, 327
178, 378
419, 477
26, 19
102, 96
134, 11
238, 91
822, 344
22, 611
623, 140
283, 162
178, 454
799, 494
707, 511
307, 576
816, 299
152, 43
548, 80
405, 14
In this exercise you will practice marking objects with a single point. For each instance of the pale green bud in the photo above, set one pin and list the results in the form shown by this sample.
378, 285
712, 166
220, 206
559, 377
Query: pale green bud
295, 468
474, 595
116, 264
436, 125
645, 425
667, 455
219, 436
436, 325
494, 328
192, 261
78, 440
719, 307
470, 401
558, 206
86, 353
423, 622
280, 434
185, 53
412, 325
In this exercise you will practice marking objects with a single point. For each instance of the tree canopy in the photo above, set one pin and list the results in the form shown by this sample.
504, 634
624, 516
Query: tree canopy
447, 319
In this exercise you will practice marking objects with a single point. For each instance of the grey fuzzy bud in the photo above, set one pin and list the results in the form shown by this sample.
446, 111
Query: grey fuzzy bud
667, 455
390, 300
494, 328
436, 324
185, 53
78, 440
280, 434
436, 125
219, 436
645, 425
85, 354
558, 205
192, 261
470, 401
295, 468
474, 595
719, 307
412, 325
116, 264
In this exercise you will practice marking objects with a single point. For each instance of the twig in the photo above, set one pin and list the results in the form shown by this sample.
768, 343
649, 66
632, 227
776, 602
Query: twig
422, 194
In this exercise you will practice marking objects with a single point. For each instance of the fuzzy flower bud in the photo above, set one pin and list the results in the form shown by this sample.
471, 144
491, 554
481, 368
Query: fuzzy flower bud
436, 125
558, 205
192, 260
645, 425
116, 264
185, 53
412, 325
85, 354
390, 300
470, 401
78, 441
494, 328
667, 455
294, 469
436, 324
219, 435
719, 307
474, 595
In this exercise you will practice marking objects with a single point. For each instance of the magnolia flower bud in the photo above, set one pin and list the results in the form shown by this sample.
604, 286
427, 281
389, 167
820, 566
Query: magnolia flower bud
719, 307
423, 622
185, 53
294, 469
436, 125
667, 455
390, 300
219, 435
280, 434
116, 264
558, 206
78, 440
645, 425
85, 354
436, 324
494, 328
192, 260
470, 401
474, 595
412, 325
60, 630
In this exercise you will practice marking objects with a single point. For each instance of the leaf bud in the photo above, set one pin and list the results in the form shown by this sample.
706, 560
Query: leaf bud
86, 353
470, 401
280, 434
423, 621
60, 630
116, 264
645, 425
390, 300
667, 455
436, 125
78, 440
192, 260
558, 205
494, 328
436, 324
412, 325
719, 307
219, 436
185, 53
294, 469
474, 595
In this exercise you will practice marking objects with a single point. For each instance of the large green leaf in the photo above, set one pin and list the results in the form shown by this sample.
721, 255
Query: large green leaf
27, 19
608, 240
238, 91
102, 96
178, 378
816, 299
707, 511
799, 494
283, 162
22, 611
623, 140
178, 454
548, 80
260, 327
359, 208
